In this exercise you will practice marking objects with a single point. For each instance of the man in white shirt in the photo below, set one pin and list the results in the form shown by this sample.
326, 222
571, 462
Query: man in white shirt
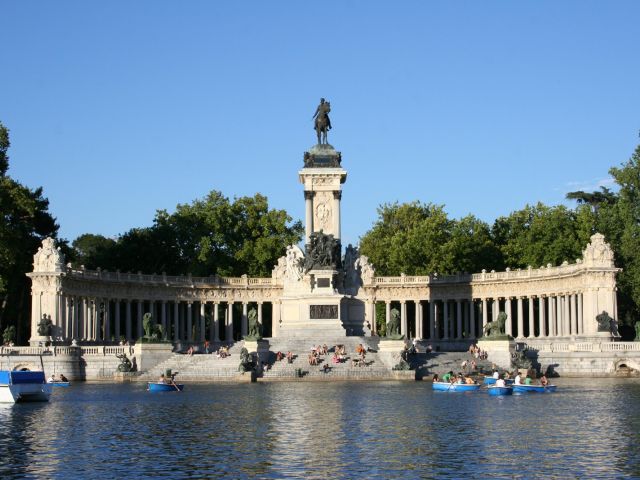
517, 379
496, 375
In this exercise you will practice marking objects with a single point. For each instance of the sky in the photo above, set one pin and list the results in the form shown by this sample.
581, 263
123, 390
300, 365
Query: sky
121, 108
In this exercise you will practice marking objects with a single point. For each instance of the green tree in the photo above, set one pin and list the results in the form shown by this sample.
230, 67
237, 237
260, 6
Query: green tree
627, 242
25, 222
206, 237
538, 235
419, 239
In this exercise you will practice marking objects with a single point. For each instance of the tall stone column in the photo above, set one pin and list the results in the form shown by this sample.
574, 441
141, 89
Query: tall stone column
403, 319
459, 319
541, 310
445, 323
244, 327
128, 328
107, 320
574, 316
387, 313
566, 328
495, 309
189, 322
337, 195
520, 318
212, 324
485, 315
116, 320
553, 329
176, 321
152, 311
560, 315
275, 318
139, 320
75, 323
532, 314
229, 326
580, 317
509, 323
85, 318
202, 323
92, 319
432, 319
260, 317
163, 316
419, 321
472, 318
308, 210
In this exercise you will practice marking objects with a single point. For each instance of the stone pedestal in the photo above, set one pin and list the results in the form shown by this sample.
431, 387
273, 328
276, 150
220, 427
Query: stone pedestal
148, 355
261, 347
389, 351
499, 351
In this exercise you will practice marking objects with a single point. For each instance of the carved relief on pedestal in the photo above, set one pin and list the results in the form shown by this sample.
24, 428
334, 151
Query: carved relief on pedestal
48, 258
598, 253
323, 214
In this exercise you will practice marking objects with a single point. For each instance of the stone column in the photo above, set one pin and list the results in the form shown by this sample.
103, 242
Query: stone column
566, 327
580, 317
532, 331
485, 315
574, 316
128, 328
163, 316
337, 195
432, 319
212, 325
495, 309
419, 313
202, 323
189, 332
140, 333
445, 323
509, 323
543, 327
387, 313
229, 326
176, 321
403, 319
92, 319
459, 319
553, 329
75, 322
152, 311
107, 321
472, 318
116, 329
244, 327
308, 200
520, 318
260, 317
560, 315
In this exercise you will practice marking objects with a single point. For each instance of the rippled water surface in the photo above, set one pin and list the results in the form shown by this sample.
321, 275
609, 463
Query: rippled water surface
324, 430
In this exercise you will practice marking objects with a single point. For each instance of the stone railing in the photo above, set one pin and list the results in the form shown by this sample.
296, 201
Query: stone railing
170, 280
580, 346
68, 350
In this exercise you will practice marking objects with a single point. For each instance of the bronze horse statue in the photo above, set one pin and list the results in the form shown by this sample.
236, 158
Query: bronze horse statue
322, 122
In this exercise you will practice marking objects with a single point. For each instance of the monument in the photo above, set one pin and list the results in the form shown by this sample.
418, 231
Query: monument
314, 300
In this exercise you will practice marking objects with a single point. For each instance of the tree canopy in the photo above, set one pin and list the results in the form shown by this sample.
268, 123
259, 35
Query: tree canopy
25, 222
210, 236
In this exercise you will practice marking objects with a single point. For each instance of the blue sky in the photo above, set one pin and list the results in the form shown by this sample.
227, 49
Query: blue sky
121, 108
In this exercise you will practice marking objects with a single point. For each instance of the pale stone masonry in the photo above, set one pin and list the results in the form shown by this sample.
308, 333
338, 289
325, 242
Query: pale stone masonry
547, 303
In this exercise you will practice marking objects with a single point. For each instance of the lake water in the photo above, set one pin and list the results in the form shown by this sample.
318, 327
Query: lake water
324, 430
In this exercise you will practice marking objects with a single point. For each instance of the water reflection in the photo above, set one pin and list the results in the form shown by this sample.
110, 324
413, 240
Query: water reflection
320, 430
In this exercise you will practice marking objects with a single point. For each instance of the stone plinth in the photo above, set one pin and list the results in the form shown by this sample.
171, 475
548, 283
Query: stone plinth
312, 315
148, 355
499, 351
389, 351
261, 347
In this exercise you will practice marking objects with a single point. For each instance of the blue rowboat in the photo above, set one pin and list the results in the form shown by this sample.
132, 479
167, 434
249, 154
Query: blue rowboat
23, 386
164, 387
533, 388
492, 381
59, 384
497, 391
455, 387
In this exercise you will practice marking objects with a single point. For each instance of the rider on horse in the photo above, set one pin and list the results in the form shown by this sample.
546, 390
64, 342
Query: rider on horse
322, 122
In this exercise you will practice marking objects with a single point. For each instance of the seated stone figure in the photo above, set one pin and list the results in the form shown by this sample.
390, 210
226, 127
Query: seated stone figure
496, 328
393, 327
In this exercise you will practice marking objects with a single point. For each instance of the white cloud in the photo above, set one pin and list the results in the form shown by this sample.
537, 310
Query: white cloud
590, 185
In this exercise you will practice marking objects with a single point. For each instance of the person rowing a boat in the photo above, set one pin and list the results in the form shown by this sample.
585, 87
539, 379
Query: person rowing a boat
63, 378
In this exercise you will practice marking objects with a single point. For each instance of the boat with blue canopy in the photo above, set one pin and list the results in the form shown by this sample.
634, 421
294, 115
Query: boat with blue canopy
23, 386
455, 387
534, 388
499, 391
